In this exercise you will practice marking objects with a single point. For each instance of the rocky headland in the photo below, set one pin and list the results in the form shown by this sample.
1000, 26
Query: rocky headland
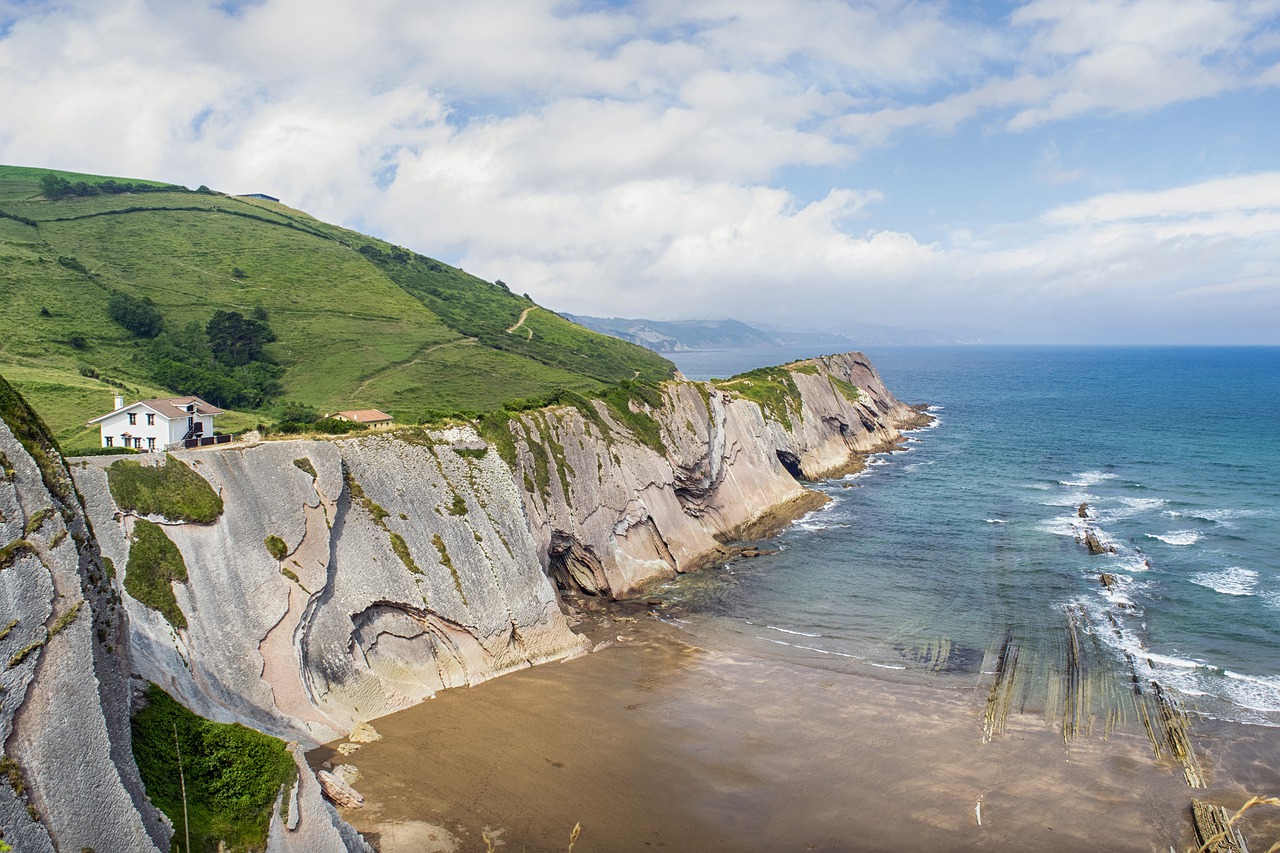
344, 580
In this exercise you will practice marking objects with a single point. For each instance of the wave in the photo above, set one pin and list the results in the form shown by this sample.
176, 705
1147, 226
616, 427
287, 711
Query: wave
1129, 507
1251, 698
1221, 517
996, 520
806, 648
1088, 478
1177, 537
1231, 581
789, 631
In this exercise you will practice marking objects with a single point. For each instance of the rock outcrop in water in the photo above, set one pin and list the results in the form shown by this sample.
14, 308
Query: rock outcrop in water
348, 579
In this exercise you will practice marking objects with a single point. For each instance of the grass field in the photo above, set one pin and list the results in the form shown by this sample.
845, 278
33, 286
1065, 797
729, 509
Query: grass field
359, 323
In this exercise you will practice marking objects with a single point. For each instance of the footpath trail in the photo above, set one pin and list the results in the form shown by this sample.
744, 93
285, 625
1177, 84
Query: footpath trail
524, 315
418, 357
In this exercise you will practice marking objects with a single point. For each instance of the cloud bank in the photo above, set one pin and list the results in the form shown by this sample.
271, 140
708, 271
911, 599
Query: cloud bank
712, 158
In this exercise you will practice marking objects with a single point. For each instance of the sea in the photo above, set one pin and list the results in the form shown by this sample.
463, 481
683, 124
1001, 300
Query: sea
970, 540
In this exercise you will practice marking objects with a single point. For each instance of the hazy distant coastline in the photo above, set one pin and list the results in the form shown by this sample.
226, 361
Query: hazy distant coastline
669, 336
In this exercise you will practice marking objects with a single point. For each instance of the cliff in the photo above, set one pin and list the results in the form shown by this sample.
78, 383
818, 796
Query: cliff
70, 782
344, 580
612, 515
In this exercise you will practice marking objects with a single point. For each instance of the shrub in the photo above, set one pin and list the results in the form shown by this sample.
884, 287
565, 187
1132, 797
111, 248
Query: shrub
402, 551
171, 490
232, 774
154, 564
72, 263
114, 450
139, 316
276, 546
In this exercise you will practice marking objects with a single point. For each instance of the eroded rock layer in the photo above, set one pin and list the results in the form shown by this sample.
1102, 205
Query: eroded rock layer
67, 776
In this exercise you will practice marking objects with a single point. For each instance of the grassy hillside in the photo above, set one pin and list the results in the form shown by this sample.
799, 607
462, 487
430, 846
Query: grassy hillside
358, 322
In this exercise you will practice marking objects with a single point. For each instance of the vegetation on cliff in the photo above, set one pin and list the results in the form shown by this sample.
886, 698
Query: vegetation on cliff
154, 564
356, 321
172, 490
772, 388
232, 775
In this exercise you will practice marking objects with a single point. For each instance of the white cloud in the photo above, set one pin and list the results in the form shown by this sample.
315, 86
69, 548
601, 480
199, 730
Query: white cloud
633, 158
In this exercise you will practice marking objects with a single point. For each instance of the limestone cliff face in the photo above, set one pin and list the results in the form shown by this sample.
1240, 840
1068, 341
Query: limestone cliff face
68, 777
612, 515
408, 568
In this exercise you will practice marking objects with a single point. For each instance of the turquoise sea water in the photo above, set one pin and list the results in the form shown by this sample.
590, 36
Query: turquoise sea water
925, 564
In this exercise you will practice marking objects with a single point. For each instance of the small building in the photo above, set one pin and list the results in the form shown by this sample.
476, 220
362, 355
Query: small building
158, 424
259, 196
368, 417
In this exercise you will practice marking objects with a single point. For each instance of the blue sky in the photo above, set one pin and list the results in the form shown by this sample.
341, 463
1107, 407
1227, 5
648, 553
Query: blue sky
1053, 171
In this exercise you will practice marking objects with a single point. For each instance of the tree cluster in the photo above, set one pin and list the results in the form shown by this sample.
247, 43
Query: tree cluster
55, 187
225, 361
139, 316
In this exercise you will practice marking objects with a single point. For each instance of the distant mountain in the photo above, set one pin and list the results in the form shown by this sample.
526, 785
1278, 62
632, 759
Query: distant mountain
679, 335
684, 335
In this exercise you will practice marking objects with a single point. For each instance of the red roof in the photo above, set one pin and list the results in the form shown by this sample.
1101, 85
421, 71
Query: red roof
364, 416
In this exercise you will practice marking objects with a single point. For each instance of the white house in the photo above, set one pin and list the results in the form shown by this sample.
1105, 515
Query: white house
157, 424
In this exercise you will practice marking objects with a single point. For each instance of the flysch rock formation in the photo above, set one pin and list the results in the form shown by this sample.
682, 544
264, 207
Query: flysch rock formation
67, 778
413, 561
613, 517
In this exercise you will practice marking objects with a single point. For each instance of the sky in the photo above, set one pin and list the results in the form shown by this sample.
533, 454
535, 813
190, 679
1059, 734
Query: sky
1055, 171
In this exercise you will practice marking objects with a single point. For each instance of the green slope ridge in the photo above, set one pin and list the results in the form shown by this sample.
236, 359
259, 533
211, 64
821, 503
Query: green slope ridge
358, 322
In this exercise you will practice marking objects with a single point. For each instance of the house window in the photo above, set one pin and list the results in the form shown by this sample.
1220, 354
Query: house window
133, 418
109, 441
151, 444
151, 420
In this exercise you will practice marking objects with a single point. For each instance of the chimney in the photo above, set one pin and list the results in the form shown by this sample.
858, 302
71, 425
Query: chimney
119, 402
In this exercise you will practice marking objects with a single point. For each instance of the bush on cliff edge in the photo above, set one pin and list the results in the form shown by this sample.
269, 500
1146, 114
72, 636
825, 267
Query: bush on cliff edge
232, 774
172, 490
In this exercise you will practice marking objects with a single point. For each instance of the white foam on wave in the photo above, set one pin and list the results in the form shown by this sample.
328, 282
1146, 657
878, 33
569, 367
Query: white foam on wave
1224, 518
1088, 478
1062, 525
1072, 499
1177, 537
789, 631
806, 648
996, 521
1130, 507
1232, 581
1254, 698
1256, 692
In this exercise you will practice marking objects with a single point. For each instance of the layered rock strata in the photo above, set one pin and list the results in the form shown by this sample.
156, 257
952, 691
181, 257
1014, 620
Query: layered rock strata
613, 516
67, 776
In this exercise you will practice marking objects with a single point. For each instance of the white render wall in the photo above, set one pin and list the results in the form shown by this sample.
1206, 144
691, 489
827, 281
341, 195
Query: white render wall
164, 430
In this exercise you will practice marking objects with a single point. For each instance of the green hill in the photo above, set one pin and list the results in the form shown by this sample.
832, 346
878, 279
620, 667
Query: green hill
355, 322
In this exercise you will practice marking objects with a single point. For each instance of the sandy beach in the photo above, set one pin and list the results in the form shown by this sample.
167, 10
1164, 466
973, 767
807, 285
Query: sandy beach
652, 742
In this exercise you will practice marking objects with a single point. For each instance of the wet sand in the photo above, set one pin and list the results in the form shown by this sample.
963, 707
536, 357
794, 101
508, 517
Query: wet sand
653, 743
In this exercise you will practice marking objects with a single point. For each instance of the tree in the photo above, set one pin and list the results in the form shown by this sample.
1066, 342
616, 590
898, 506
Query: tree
235, 339
139, 316
53, 187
